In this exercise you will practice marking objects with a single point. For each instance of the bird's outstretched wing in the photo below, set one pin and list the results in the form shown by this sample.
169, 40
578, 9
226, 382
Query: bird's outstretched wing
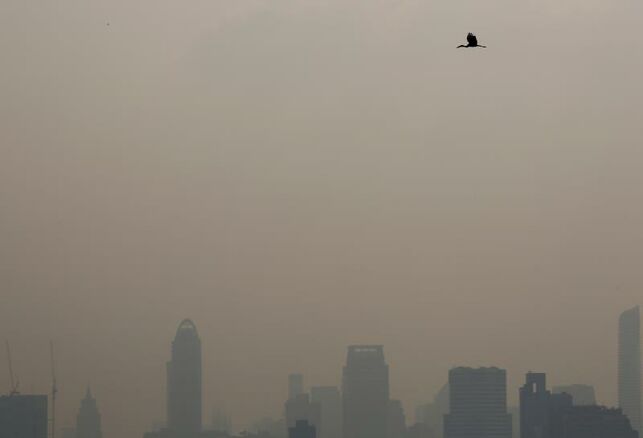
472, 40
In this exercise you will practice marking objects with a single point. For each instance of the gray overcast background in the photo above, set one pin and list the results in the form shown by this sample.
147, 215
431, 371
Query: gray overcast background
297, 176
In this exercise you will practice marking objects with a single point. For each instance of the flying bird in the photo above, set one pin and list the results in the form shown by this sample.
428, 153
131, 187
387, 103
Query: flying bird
472, 42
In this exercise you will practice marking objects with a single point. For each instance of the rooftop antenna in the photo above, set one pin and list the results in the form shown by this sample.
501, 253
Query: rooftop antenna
54, 390
14, 382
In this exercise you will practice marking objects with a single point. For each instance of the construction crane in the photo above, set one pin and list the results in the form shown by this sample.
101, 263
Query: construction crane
14, 382
54, 391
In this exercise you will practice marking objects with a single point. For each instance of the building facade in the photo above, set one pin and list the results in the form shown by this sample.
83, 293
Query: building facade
365, 392
301, 408
542, 413
330, 402
23, 416
396, 421
295, 385
478, 404
629, 366
534, 407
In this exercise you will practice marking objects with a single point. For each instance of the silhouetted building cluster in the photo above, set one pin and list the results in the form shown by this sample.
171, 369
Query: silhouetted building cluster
301, 408
597, 422
473, 404
541, 412
321, 408
547, 415
330, 402
432, 414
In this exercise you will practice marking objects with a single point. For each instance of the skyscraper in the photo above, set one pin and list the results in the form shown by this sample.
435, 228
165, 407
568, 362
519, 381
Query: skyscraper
88, 418
23, 416
295, 385
184, 382
396, 421
541, 412
629, 366
432, 414
184, 388
534, 407
330, 401
478, 404
365, 392
301, 408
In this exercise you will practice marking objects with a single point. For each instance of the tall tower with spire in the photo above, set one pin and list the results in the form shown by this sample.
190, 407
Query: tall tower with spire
88, 419
184, 382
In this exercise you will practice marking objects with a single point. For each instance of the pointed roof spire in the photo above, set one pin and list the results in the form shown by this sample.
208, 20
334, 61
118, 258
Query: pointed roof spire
88, 392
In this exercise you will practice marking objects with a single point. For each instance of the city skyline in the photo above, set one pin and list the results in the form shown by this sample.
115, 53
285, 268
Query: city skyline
301, 176
475, 385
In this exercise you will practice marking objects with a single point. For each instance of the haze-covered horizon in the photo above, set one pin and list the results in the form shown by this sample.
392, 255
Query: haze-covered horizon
300, 176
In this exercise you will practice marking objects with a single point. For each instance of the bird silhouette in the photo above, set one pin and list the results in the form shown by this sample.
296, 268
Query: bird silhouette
472, 42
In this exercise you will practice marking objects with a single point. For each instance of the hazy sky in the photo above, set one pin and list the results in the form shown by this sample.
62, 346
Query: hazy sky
296, 176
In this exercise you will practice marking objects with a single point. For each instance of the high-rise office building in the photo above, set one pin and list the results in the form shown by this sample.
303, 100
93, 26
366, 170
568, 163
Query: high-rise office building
184, 381
432, 414
534, 407
365, 392
541, 412
301, 408
396, 421
514, 411
295, 385
88, 418
478, 404
629, 366
184, 388
23, 416
330, 401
